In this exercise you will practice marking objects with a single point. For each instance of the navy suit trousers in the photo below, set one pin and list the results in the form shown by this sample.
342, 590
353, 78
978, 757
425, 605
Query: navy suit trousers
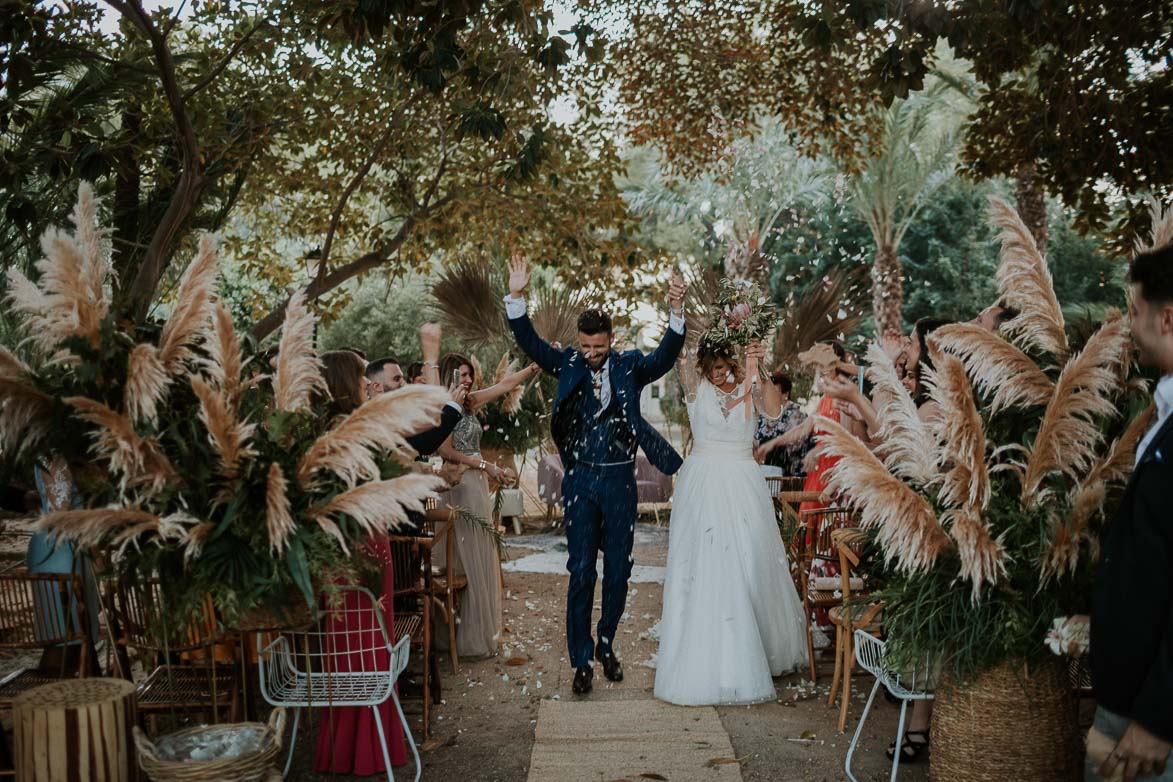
600, 505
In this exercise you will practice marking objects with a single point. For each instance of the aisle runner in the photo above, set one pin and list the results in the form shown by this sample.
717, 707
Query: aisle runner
589, 741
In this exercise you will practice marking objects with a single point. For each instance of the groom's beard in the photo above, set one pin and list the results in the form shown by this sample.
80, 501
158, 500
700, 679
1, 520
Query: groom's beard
596, 363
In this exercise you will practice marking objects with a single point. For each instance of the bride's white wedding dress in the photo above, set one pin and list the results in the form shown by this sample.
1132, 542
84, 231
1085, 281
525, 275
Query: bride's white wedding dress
732, 618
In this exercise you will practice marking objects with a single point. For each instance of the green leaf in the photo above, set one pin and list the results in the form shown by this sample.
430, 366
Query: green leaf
300, 571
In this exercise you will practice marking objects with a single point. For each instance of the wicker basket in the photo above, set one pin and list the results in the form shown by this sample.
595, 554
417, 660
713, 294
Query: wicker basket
254, 767
1007, 724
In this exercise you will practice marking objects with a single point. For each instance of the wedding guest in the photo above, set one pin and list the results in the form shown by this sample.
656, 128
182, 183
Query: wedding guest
385, 375
479, 631
1131, 653
415, 373
769, 451
343, 372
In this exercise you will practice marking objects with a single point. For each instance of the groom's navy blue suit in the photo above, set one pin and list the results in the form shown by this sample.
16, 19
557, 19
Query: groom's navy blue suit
599, 491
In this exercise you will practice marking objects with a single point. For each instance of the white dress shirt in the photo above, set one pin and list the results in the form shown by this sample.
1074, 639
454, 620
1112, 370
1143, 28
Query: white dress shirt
1163, 397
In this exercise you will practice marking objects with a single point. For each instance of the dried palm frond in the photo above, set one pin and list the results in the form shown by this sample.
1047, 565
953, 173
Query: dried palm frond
146, 383
909, 445
11, 367
168, 528
137, 460
1161, 232
966, 481
193, 304
704, 284
88, 528
511, 402
907, 529
228, 435
349, 450
828, 308
983, 559
225, 360
380, 506
277, 514
299, 370
996, 366
1116, 465
25, 415
194, 540
469, 298
1062, 554
555, 313
1070, 433
1025, 284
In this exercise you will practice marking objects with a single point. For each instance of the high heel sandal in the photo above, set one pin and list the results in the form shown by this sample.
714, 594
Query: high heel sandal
910, 751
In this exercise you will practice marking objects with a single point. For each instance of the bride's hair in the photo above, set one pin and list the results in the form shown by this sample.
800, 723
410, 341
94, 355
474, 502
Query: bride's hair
707, 356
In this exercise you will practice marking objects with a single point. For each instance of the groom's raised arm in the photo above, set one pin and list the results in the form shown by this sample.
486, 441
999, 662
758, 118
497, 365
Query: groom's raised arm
540, 352
660, 361
656, 364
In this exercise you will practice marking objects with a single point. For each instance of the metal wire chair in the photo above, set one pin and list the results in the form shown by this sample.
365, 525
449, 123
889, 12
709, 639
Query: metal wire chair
345, 659
914, 685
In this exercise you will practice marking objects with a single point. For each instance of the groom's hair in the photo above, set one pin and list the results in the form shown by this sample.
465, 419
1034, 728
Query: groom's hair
594, 322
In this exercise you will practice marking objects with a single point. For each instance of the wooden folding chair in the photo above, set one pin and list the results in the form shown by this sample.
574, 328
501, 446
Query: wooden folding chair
414, 596
43, 611
446, 582
849, 616
817, 547
192, 664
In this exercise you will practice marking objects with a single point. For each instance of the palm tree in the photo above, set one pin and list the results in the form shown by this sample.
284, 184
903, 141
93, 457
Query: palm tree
916, 157
732, 212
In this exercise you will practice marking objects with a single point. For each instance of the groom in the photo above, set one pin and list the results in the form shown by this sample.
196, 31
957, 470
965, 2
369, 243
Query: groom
597, 426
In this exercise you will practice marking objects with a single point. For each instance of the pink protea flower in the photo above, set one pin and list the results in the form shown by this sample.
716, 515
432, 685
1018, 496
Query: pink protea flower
739, 314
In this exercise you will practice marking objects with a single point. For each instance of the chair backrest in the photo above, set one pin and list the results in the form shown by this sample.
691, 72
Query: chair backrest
412, 563
146, 623
781, 483
39, 610
342, 655
820, 523
849, 543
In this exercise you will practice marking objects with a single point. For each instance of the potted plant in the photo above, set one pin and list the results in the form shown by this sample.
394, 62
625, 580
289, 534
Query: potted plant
214, 472
987, 515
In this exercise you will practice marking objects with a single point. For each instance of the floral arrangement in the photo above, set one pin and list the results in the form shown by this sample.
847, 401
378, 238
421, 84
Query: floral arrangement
194, 463
740, 313
987, 515
1069, 635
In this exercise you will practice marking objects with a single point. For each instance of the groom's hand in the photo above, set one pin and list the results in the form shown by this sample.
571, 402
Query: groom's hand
518, 276
677, 287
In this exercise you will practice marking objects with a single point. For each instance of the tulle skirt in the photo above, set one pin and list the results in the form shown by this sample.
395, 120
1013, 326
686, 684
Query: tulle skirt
732, 618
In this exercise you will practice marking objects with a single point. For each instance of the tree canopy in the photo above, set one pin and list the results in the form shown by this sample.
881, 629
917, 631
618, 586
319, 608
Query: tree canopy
322, 140
1082, 93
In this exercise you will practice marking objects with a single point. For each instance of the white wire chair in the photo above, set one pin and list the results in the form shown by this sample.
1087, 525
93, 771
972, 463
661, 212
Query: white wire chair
346, 659
914, 685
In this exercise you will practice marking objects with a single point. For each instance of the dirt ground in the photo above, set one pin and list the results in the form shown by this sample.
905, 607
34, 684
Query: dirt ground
484, 725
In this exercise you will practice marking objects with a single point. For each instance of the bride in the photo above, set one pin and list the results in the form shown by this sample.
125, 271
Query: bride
732, 619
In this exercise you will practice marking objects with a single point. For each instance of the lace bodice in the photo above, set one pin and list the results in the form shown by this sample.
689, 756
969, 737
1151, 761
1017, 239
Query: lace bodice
712, 420
466, 437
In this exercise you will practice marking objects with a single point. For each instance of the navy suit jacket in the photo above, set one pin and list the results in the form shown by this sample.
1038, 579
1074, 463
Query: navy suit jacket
630, 372
1131, 657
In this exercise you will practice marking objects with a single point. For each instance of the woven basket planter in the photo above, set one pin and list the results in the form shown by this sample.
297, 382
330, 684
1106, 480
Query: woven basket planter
1007, 724
249, 767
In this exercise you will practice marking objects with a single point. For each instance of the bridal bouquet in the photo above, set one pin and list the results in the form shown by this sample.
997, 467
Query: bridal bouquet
740, 314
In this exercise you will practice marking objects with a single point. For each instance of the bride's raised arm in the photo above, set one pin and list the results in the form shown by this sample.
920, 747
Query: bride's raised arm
686, 371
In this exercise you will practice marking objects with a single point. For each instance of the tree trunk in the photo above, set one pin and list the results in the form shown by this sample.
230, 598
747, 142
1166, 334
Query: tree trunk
127, 182
1032, 203
76, 729
887, 290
